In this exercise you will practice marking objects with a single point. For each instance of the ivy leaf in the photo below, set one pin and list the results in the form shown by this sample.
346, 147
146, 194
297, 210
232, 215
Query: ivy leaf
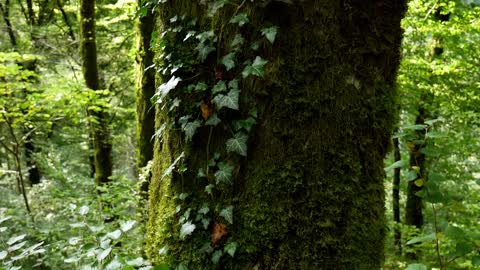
15, 239
170, 168
209, 189
165, 88
215, 6
224, 173
213, 120
256, 69
221, 86
227, 214
270, 33
476, 261
237, 40
206, 36
229, 61
191, 127
230, 100
204, 210
200, 87
233, 84
187, 229
238, 144
216, 256
240, 19
230, 248
245, 124
204, 50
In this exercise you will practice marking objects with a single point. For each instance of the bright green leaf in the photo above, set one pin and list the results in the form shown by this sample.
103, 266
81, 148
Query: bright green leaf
229, 101
256, 69
220, 86
227, 214
416, 266
240, 19
229, 61
421, 239
224, 173
230, 248
187, 229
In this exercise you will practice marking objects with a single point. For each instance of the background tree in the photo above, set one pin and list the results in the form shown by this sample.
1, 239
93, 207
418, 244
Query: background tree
100, 132
294, 190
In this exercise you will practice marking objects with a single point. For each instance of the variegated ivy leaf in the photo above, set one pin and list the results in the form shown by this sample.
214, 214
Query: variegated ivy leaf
220, 86
270, 33
227, 214
240, 19
224, 173
165, 88
229, 61
191, 127
230, 100
256, 69
187, 229
238, 144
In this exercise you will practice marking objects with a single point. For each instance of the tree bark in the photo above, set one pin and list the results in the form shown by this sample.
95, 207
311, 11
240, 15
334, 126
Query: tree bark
97, 112
66, 20
145, 88
396, 198
309, 194
6, 17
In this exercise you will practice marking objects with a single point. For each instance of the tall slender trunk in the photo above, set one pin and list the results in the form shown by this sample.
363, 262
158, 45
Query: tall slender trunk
304, 189
396, 198
98, 117
6, 17
66, 20
145, 88
31, 13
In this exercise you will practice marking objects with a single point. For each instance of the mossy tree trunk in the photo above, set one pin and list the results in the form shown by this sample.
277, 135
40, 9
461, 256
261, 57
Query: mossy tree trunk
396, 198
97, 112
309, 194
145, 87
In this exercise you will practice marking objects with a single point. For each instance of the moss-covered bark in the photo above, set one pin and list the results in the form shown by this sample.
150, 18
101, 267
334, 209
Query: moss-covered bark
309, 195
100, 132
145, 88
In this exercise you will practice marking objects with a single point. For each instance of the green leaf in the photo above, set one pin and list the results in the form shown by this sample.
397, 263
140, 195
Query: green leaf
233, 84
216, 256
205, 223
204, 50
201, 173
181, 266
245, 124
415, 127
463, 248
240, 19
229, 61
187, 229
476, 261
411, 175
238, 144
224, 173
421, 239
397, 164
454, 232
417, 266
204, 210
227, 214
104, 254
237, 40
230, 248
183, 196
270, 33
229, 101
191, 127
220, 86
209, 189
161, 266
256, 69
201, 87
215, 6
128, 225
213, 120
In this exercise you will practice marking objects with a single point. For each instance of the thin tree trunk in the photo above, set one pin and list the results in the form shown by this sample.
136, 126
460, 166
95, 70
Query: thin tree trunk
31, 13
309, 194
98, 118
66, 20
145, 89
396, 198
6, 17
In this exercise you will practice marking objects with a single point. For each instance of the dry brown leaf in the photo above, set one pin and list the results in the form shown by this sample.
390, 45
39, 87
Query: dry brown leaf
207, 110
219, 231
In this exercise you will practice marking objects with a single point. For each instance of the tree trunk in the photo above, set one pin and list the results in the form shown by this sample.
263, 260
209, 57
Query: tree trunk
145, 88
307, 192
396, 198
66, 20
98, 115
6, 17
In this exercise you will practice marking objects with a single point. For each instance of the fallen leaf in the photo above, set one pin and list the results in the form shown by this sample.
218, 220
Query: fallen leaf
219, 231
207, 109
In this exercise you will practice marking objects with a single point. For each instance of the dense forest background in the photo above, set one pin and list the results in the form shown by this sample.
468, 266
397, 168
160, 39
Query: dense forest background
80, 84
